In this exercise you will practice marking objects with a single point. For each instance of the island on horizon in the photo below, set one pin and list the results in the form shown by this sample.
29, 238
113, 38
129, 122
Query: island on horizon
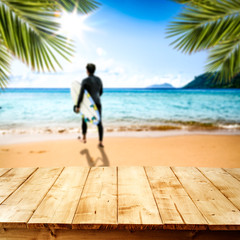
161, 86
203, 81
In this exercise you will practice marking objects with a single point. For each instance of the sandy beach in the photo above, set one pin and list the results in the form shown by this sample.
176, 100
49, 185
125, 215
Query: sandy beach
182, 150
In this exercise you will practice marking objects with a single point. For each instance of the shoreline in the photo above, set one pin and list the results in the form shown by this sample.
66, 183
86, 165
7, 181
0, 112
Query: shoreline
150, 126
124, 127
18, 138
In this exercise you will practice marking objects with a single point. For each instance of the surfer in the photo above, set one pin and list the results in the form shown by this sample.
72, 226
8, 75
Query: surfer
93, 85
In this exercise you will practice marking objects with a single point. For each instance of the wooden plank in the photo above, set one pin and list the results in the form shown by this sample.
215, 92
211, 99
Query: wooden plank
137, 208
19, 207
176, 208
226, 184
44, 234
59, 205
97, 208
3, 171
12, 179
235, 172
220, 213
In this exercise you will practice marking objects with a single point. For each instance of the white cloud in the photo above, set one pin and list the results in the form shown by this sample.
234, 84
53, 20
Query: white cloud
112, 73
101, 52
108, 70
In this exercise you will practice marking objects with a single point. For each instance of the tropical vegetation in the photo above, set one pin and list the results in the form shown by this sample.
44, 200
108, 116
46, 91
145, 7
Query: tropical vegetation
29, 31
212, 25
208, 80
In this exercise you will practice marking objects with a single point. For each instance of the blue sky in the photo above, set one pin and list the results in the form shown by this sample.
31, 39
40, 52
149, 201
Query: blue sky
126, 39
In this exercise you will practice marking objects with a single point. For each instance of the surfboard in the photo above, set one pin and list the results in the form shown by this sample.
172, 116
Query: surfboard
88, 108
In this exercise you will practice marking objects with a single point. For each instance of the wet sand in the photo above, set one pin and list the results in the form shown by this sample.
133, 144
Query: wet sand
186, 150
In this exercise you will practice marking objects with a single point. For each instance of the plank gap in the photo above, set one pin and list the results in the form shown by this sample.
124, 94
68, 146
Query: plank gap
221, 214
2, 174
18, 185
58, 207
231, 173
98, 203
179, 212
153, 195
81, 194
45, 195
135, 195
219, 189
189, 195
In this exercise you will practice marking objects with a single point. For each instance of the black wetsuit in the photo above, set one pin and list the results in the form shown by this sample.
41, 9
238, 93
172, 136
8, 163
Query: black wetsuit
94, 86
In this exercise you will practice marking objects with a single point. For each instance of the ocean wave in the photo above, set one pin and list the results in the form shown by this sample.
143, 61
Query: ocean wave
167, 126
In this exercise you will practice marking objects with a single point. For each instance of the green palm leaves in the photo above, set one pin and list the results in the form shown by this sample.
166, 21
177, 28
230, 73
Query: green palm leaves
213, 25
5, 59
29, 31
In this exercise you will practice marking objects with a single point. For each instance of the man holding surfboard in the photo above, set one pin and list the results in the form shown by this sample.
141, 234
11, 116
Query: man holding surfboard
93, 85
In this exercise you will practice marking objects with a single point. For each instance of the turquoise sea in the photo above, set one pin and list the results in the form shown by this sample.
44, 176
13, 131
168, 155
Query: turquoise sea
50, 110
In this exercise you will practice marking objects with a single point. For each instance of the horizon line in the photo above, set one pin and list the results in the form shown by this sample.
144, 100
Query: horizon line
104, 88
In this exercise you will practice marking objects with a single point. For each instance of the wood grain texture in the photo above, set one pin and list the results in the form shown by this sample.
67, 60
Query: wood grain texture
59, 205
117, 199
19, 207
3, 171
136, 204
215, 207
98, 204
225, 183
235, 172
176, 208
43, 234
12, 179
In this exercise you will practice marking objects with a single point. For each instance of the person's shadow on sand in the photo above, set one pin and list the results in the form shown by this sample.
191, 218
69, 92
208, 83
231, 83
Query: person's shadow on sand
92, 162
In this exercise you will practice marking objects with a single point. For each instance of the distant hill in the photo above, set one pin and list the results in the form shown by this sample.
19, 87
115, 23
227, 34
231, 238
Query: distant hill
164, 85
206, 81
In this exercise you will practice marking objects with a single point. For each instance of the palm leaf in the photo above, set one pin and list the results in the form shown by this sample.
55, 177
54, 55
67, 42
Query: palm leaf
82, 6
195, 2
225, 57
212, 25
5, 60
32, 29
29, 30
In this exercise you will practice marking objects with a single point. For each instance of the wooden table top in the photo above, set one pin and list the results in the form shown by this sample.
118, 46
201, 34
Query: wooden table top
133, 198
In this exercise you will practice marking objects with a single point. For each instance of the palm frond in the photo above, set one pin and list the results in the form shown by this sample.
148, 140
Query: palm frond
226, 58
32, 35
82, 6
29, 31
213, 25
5, 61
194, 2
202, 27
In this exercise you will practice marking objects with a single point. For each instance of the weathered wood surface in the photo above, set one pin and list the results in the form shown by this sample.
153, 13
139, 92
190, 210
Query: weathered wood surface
59, 205
219, 212
136, 205
12, 179
235, 172
19, 207
98, 204
4, 170
118, 198
175, 206
225, 183
63, 234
